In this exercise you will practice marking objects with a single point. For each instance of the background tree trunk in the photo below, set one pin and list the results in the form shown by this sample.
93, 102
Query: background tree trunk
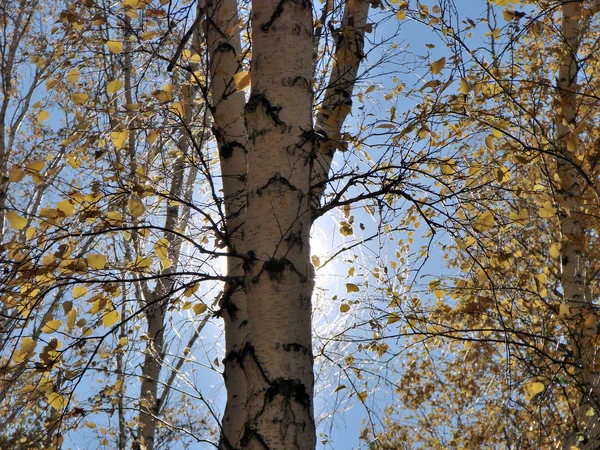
586, 433
224, 52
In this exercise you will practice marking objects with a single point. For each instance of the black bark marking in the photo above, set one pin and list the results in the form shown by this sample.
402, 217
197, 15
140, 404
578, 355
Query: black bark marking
279, 10
275, 267
249, 260
251, 433
225, 47
295, 347
228, 305
276, 179
290, 389
293, 239
259, 99
307, 84
226, 150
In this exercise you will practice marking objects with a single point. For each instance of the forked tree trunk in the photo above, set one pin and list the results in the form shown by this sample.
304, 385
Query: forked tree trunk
224, 52
586, 432
277, 358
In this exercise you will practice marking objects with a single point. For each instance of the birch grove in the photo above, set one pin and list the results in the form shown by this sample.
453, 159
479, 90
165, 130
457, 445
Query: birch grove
168, 173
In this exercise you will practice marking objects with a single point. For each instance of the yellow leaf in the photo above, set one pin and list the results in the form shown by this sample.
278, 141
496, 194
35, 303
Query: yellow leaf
199, 308
79, 291
96, 261
564, 310
401, 15
51, 326
56, 400
362, 396
241, 80
114, 86
30, 233
80, 98
351, 287
161, 247
532, 389
489, 142
119, 138
74, 161
135, 206
35, 166
346, 229
191, 290
344, 308
547, 210
541, 277
315, 260
370, 89
17, 222
147, 35
494, 34
508, 14
464, 86
437, 66
142, 263
484, 222
50, 83
554, 250
152, 137
66, 207
71, 319
114, 46
393, 318
27, 345
15, 174
109, 319
165, 263
43, 116
73, 75
439, 293
177, 108
162, 95
90, 424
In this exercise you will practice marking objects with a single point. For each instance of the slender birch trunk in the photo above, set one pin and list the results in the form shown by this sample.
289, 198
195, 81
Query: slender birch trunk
176, 219
277, 358
225, 55
586, 433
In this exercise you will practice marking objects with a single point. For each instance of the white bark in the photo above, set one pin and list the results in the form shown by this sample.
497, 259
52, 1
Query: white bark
224, 52
337, 103
586, 433
277, 358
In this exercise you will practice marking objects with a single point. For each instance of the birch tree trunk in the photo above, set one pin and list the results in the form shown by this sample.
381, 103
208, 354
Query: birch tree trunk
586, 433
224, 52
277, 358
337, 103
176, 219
